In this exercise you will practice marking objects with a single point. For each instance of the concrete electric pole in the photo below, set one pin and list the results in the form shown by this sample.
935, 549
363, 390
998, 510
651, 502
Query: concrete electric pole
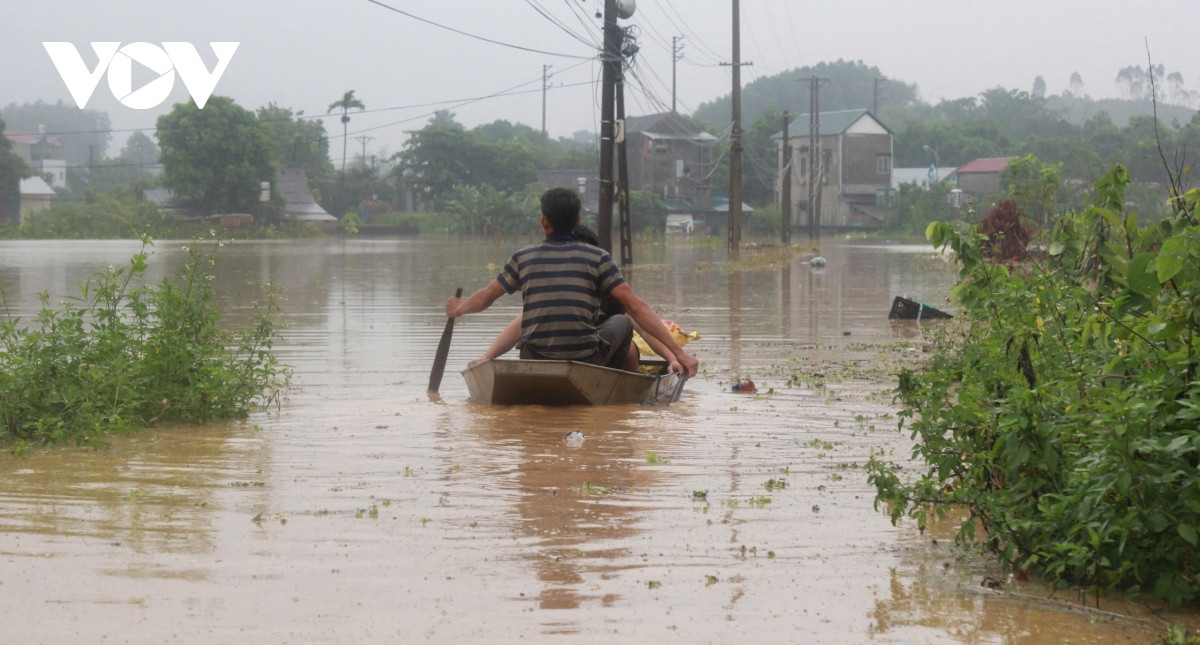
611, 58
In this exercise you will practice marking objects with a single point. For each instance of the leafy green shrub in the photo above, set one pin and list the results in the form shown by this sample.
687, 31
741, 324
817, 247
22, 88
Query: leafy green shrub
102, 216
112, 216
119, 356
1064, 415
917, 206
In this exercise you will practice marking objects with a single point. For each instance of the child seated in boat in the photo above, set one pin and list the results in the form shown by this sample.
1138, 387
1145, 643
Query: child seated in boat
646, 351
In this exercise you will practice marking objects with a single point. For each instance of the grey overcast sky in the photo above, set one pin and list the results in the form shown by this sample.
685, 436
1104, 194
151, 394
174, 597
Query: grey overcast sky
304, 54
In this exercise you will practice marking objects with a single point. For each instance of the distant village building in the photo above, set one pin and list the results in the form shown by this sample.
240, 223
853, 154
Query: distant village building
669, 156
585, 182
298, 201
854, 174
981, 177
922, 176
34, 147
36, 195
672, 158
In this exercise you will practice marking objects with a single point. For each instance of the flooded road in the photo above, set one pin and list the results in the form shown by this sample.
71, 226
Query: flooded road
362, 510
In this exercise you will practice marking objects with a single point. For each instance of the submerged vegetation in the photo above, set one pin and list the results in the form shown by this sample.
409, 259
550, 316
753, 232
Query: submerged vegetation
104, 216
1064, 412
119, 355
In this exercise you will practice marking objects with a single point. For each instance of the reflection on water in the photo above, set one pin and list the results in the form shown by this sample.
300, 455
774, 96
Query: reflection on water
364, 511
577, 502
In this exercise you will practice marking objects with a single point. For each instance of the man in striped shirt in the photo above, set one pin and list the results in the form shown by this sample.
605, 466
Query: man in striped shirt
562, 281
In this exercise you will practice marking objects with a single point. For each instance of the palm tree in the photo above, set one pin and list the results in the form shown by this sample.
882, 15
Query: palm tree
348, 101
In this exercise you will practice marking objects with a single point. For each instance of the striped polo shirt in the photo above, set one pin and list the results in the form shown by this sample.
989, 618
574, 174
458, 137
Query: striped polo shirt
561, 281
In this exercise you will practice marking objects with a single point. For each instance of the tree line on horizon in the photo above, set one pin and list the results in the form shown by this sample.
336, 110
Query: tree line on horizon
443, 158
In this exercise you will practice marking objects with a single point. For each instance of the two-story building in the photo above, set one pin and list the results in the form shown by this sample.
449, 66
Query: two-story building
669, 156
854, 175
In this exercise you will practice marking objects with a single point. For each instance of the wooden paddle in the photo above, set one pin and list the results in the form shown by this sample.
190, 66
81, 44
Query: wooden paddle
443, 350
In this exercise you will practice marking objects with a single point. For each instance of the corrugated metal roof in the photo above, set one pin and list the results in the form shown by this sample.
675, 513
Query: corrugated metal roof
35, 186
665, 125
832, 123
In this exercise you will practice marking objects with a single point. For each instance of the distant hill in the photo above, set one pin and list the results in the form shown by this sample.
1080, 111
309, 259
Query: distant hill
855, 85
849, 85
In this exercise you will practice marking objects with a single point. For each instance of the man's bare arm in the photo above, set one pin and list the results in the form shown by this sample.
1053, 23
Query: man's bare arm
476, 302
504, 342
642, 314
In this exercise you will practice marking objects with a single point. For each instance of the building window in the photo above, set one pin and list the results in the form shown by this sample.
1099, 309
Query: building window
804, 165
883, 164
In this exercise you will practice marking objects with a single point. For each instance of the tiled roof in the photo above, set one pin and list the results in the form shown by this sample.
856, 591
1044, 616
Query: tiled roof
989, 164
30, 138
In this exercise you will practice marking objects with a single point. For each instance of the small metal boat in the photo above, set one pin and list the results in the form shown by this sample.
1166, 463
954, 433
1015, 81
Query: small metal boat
530, 382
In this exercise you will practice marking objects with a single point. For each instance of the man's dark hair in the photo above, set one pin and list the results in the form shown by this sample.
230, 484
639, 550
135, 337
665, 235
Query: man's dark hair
561, 207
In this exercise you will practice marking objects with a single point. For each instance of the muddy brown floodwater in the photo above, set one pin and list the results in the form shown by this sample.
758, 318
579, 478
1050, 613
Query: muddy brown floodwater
361, 510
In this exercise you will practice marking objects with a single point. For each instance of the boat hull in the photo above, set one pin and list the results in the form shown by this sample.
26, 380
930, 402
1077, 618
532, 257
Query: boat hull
530, 382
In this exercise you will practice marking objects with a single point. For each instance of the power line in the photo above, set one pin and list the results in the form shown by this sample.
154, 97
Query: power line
792, 29
558, 23
710, 52
583, 18
470, 35
461, 103
774, 32
301, 115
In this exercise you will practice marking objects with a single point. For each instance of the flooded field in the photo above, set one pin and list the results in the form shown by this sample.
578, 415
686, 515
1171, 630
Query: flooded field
363, 510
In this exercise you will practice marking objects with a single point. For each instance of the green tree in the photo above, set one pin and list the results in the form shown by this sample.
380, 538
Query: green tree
444, 156
299, 142
483, 210
139, 149
345, 104
647, 213
214, 159
1039, 87
1034, 186
917, 206
12, 170
761, 172
430, 161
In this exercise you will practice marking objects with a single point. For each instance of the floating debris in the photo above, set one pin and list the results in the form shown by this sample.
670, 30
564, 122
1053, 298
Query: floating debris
905, 309
745, 387
574, 438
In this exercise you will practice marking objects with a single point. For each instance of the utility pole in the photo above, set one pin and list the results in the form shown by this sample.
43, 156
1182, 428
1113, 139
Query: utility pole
545, 86
623, 177
735, 140
785, 190
815, 165
363, 139
676, 56
611, 58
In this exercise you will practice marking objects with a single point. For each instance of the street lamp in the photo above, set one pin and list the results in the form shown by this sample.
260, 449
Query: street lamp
937, 162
